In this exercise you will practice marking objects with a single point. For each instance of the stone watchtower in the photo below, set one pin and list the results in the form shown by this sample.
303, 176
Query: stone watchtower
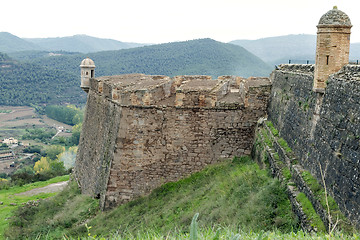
87, 67
332, 46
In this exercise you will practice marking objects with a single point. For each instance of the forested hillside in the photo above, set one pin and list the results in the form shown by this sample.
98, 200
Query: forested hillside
48, 78
26, 84
31, 55
200, 57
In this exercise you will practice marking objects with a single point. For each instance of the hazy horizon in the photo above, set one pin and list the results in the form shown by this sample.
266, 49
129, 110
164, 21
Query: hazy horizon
161, 21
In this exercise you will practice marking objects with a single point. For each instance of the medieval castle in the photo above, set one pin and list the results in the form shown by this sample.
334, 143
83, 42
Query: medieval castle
142, 131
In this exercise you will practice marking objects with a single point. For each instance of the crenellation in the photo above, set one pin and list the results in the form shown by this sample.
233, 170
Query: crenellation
180, 91
297, 68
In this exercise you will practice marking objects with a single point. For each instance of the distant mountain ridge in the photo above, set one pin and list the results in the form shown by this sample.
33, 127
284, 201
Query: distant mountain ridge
81, 43
281, 49
273, 50
10, 43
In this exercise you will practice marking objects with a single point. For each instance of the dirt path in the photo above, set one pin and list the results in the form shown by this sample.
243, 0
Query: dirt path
54, 187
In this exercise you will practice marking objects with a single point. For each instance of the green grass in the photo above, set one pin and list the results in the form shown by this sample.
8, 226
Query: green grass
286, 173
234, 193
284, 145
276, 156
50, 217
274, 131
319, 193
7, 196
215, 233
309, 210
267, 139
281, 141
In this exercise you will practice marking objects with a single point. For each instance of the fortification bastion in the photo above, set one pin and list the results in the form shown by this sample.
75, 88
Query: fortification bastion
142, 131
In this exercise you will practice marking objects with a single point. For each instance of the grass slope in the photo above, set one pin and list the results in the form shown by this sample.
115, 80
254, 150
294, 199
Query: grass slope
10, 201
234, 193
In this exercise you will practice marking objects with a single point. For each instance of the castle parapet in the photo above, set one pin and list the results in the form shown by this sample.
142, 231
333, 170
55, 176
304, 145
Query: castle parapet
180, 91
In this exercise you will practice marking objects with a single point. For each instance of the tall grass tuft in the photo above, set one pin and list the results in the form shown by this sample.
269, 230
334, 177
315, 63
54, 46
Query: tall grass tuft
193, 227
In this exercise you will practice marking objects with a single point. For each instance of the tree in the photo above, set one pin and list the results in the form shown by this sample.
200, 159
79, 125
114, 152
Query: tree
42, 165
53, 151
57, 167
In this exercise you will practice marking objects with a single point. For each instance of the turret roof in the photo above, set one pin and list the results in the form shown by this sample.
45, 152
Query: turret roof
87, 62
335, 17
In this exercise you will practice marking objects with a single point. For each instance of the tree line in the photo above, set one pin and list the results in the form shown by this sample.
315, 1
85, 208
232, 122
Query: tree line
69, 114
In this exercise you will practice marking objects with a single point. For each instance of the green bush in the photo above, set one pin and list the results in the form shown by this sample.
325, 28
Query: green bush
33, 149
41, 134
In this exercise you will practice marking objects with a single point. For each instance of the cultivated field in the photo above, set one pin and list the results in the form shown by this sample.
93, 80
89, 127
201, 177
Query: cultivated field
14, 120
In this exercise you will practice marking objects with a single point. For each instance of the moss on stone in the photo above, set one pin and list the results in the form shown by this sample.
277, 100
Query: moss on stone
312, 216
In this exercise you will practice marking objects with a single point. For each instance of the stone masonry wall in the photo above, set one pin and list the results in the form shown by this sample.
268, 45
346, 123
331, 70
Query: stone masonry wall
158, 145
143, 131
322, 129
97, 143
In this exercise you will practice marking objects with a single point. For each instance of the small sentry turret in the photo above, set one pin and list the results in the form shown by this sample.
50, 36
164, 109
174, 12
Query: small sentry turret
87, 67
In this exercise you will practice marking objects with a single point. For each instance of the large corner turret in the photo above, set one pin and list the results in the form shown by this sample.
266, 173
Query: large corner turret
332, 46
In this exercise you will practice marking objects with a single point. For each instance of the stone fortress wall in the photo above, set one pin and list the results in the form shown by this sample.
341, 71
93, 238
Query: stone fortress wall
142, 131
322, 128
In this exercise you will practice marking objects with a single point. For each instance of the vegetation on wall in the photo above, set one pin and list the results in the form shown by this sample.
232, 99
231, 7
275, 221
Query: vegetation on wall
310, 194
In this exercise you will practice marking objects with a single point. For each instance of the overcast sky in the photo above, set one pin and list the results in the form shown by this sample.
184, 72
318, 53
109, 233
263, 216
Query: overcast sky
161, 21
